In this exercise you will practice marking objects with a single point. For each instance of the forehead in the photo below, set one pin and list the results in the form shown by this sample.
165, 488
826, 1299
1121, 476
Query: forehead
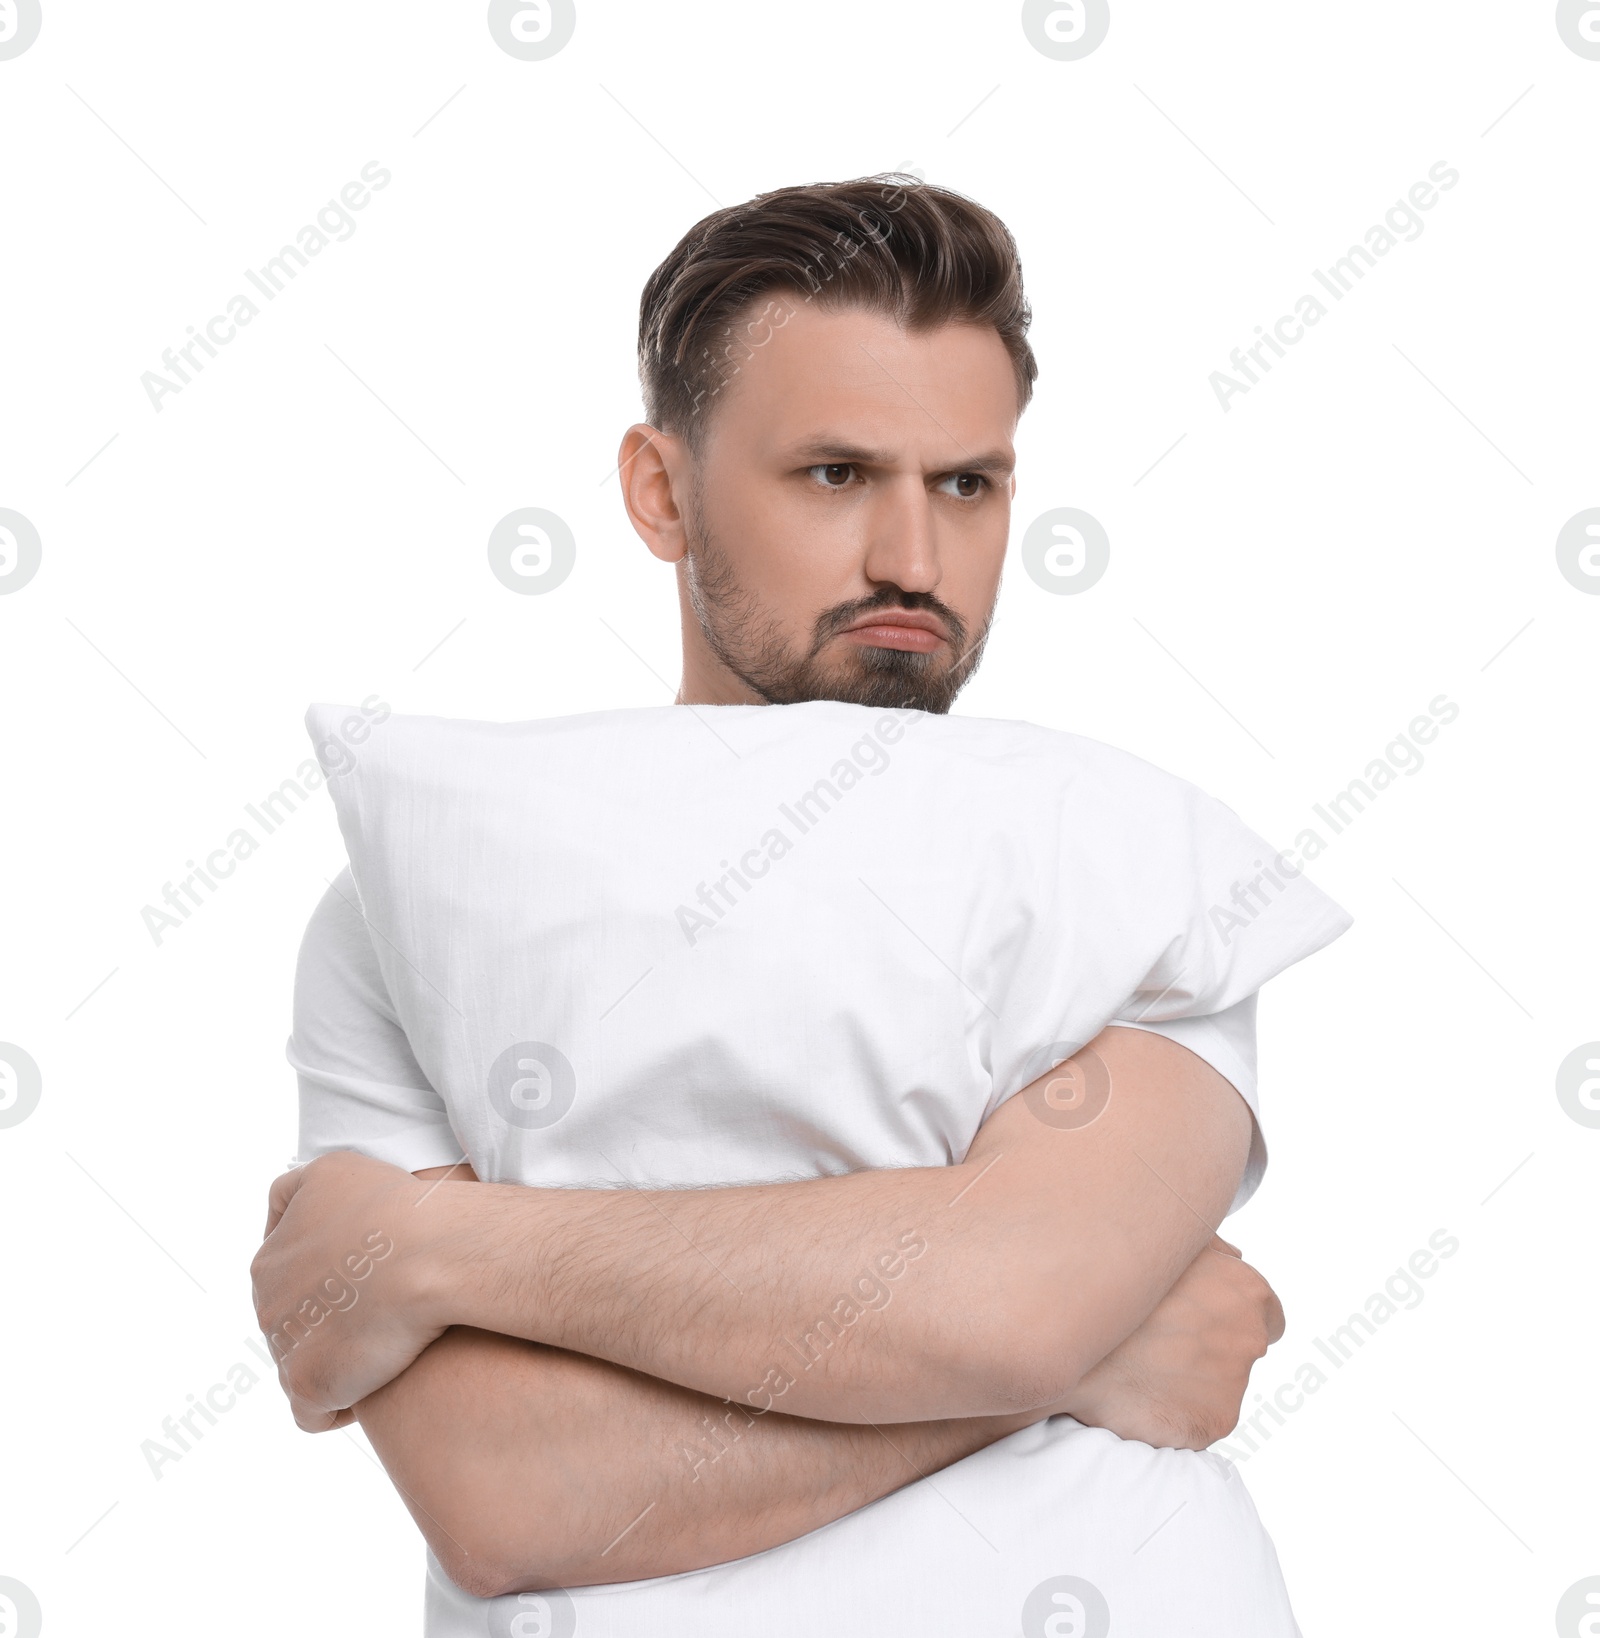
858, 375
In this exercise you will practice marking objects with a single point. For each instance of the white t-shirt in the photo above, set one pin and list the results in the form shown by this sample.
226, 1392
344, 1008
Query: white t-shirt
714, 945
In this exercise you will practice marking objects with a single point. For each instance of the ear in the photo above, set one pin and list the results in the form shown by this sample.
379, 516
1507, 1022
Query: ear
654, 469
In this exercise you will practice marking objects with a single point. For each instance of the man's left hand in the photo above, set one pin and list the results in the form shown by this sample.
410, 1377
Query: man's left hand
340, 1282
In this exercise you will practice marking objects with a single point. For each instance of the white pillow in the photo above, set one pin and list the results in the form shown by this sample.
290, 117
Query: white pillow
701, 945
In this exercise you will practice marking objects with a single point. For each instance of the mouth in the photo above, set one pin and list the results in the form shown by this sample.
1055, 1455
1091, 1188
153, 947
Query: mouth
911, 630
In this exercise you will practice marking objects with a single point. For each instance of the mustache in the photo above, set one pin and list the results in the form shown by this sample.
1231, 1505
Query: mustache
832, 621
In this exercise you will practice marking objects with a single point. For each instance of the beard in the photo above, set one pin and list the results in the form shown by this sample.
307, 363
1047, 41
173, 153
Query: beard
750, 642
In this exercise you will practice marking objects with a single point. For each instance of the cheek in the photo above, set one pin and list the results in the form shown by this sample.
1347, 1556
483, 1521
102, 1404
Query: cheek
787, 555
971, 570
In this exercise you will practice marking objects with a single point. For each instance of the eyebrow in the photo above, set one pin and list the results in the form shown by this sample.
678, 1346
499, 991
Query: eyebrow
833, 452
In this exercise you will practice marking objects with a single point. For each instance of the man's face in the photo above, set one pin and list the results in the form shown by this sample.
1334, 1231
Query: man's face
845, 526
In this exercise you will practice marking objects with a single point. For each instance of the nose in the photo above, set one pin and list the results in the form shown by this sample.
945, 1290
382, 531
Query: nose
902, 547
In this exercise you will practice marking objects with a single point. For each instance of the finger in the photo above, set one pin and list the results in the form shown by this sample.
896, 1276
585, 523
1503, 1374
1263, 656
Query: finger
283, 1190
1219, 1244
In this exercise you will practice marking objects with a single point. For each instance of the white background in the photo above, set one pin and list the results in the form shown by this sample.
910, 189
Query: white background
1297, 578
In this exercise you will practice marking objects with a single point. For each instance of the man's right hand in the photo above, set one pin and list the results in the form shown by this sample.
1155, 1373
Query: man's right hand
1180, 1379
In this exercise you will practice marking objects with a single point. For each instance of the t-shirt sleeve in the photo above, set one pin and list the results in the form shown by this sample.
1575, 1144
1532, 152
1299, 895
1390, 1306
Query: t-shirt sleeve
360, 1085
1240, 912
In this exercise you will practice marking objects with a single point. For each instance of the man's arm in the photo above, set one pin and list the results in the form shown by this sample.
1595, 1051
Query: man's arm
513, 1487
528, 1467
920, 1294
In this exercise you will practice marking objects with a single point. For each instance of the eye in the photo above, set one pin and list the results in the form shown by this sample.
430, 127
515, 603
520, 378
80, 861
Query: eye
835, 475
968, 485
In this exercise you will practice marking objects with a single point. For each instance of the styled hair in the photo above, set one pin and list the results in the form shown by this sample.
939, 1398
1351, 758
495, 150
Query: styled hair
919, 254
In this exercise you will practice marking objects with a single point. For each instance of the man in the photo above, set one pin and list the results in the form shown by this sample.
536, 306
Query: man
578, 1390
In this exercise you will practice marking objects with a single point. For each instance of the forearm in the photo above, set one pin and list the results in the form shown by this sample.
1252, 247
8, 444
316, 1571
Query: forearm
883, 1296
527, 1466
923, 1294
749, 1294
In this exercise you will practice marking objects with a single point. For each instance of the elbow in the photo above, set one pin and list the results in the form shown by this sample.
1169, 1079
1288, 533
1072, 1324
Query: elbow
481, 1522
1032, 1379
497, 1507
480, 1528
490, 1539
484, 1568
474, 1573
1051, 1336
1018, 1360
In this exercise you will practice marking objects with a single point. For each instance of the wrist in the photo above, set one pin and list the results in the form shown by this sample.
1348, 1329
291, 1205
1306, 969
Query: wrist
447, 1261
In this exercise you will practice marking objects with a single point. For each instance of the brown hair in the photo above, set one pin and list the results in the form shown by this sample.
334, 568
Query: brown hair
920, 254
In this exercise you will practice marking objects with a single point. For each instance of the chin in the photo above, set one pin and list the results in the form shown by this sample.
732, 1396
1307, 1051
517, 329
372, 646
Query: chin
887, 678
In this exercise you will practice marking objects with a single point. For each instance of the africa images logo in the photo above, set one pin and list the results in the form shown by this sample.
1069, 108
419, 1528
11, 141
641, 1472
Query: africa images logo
20, 21
1066, 29
20, 551
1578, 24
20, 1616
20, 1086
532, 29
